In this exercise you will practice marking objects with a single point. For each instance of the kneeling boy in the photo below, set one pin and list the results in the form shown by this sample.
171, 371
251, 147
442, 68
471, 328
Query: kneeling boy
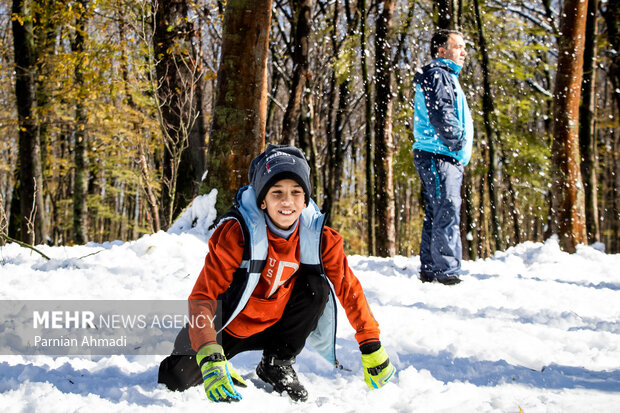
271, 274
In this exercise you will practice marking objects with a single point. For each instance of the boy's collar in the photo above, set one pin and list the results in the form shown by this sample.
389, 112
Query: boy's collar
283, 233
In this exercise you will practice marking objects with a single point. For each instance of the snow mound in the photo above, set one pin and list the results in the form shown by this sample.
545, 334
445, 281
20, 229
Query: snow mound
198, 218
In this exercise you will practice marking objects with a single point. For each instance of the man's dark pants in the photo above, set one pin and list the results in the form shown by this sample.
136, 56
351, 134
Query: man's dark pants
284, 340
440, 247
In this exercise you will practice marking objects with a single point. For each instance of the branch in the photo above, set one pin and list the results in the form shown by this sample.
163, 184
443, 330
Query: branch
538, 87
549, 27
25, 245
92, 253
278, 104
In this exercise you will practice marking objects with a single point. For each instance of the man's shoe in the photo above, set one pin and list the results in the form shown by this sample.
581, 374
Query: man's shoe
280, 374
448, 279
426, 277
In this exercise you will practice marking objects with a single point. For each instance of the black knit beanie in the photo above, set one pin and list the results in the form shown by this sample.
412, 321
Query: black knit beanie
279, 162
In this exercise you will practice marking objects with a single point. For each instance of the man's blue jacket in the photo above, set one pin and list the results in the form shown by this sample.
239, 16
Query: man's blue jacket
443, 122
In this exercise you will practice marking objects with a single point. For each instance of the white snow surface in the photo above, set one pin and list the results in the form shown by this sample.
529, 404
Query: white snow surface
531, 329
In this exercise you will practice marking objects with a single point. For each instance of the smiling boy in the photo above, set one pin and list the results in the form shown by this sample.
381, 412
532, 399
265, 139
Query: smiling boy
283, 203
273, 272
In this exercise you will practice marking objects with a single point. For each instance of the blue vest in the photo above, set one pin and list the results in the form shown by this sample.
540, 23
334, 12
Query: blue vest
254, 227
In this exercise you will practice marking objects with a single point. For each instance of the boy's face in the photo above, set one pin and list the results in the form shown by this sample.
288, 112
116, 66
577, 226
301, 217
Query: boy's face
284, 202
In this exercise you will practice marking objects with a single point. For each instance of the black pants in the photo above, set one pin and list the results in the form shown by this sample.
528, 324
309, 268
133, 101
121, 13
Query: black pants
284, 340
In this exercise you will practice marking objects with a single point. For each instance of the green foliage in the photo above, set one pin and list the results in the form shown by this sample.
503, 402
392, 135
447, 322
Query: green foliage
346, 59
120, 114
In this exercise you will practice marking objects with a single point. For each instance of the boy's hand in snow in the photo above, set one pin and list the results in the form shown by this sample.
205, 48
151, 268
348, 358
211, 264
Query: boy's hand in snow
218, 374
377, 367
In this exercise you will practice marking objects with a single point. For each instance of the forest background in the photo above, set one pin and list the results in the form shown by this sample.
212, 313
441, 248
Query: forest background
113, 114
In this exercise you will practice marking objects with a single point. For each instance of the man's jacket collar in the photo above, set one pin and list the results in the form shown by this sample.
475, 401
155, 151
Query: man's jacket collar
447, 64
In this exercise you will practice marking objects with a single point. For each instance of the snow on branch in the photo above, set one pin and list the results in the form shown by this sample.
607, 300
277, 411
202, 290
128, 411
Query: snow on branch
538, 87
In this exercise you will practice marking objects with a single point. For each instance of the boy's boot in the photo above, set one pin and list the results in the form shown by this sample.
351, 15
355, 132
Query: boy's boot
280, 374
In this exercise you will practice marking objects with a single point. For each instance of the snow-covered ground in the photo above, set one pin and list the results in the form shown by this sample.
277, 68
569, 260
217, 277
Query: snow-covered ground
531, 329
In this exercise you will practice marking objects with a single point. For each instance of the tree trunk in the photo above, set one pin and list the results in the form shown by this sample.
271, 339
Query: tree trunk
330, 129
459, 14
179, 105
14, 207
446, 14
611, 14
33, 227
80, 148
482, 228
273, 106
488, 109
587, 126
238, 130
303, 14
615, 194
151, 199
612, 19
370, 197
336, 144
401, 63
307, 143
384, 145
46, 31
567, 188
467, 218
194, 157
513, 211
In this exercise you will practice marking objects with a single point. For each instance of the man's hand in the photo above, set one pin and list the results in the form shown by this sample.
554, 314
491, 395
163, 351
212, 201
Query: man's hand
218, 374
377, 368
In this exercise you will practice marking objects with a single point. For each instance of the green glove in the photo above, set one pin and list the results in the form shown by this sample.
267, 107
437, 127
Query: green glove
377, 368
218, 374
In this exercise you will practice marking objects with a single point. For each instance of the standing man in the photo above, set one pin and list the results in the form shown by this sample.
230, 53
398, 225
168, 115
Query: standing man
443, 131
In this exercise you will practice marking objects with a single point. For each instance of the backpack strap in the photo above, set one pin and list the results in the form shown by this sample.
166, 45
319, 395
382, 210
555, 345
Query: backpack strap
254, 228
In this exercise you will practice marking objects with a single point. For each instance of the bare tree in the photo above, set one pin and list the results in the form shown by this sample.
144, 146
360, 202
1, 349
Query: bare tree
568, 204
179, 106
143, 28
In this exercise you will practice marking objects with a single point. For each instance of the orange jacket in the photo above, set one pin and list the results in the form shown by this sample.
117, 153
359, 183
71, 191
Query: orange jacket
270, 296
